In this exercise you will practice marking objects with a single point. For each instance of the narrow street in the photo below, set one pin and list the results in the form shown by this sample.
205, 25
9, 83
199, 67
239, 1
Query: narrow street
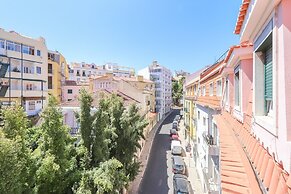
158, 175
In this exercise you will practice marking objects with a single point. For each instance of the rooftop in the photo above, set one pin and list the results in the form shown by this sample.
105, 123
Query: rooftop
241, 16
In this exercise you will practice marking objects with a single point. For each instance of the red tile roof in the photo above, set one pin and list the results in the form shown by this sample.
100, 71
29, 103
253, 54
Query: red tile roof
209, 101
241, 16
70, 83
246, 165
210, 70
243, 44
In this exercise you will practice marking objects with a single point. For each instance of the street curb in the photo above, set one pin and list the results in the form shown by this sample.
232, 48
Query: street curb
134, 187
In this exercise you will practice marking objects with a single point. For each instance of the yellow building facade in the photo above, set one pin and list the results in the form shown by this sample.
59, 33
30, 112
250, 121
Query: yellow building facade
191, 90
58, 72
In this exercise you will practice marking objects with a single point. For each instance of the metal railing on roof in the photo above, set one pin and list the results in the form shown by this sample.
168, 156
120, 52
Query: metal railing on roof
222, 57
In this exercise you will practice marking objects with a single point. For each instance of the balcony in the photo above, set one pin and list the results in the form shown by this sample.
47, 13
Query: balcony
213, 148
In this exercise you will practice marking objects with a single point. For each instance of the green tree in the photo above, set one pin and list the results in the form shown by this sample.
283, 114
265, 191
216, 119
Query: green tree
56, 171
109, 177
11, 166
17, 166
129, 131
177, 90
85, 118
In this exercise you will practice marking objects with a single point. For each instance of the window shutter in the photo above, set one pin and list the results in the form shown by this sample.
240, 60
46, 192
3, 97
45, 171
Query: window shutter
268, 74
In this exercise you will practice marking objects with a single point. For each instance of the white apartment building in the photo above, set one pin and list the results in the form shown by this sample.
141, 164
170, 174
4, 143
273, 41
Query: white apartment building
163, 86
23, 71
117, 70
81, 72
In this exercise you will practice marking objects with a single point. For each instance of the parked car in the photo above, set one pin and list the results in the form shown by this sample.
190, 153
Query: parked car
175, 125
177, 118
173, 132
175, 137
178, 165
175, 143
177, 150
181, 184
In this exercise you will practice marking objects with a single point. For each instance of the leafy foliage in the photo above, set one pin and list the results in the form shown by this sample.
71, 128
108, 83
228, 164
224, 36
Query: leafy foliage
56, 168
108, 178
177, 90
45, 159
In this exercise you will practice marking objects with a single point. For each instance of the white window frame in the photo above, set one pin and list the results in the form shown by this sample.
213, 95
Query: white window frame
238, 107
220, 89
211, 88
226, 95
266, 122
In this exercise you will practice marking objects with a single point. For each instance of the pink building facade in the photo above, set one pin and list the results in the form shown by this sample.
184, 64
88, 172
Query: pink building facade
70, 90
268, 25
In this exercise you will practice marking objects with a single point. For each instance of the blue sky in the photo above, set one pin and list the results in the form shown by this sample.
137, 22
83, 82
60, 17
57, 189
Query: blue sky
180, 34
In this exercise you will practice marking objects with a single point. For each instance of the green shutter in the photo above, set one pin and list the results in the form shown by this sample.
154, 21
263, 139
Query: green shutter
268, 74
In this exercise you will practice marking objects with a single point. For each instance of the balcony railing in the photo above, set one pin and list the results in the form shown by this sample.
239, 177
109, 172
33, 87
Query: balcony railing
213, 148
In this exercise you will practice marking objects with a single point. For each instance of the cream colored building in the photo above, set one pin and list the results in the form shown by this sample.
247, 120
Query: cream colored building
23, 71
137, 88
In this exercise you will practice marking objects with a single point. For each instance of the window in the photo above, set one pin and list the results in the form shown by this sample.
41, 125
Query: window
226, 92
25, 69
17, 47
31, 105
78, 72
69, 99
50, 82
38, 70
211, 89
2, 43
203, 91
70, 91
237, 86
83, 73
38, 52
10, 46
218, 88
198, 114
29, 87
31, 50
268, 73
204, 121
50, 68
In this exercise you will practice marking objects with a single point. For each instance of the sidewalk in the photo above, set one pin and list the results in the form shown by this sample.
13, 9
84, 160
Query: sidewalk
193, 175
144, 156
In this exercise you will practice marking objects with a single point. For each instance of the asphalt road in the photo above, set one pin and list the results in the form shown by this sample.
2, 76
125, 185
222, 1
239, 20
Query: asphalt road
158, 175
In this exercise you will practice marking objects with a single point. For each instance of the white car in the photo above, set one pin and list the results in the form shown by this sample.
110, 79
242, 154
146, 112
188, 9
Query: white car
175, 143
